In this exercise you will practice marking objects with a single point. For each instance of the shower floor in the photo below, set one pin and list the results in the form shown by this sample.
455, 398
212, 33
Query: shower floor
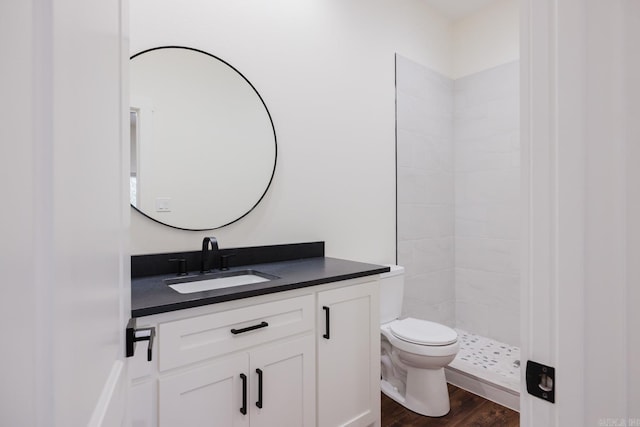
488, 368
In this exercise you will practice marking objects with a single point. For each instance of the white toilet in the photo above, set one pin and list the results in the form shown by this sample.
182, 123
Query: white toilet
413, 353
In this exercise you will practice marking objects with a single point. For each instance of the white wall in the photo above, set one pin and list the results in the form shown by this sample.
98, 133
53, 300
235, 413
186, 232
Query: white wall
485, 39
326, 72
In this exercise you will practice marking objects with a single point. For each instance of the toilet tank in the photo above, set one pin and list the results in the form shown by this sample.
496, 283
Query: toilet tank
391, 293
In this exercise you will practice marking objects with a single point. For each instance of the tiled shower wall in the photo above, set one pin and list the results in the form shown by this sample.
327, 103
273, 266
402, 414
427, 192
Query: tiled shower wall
487, 192
425, 191
458, 197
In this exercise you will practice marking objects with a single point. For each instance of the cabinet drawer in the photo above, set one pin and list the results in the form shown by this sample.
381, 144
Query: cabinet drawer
190, 340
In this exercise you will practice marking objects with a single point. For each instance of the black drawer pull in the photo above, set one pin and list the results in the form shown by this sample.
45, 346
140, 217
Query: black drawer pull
249, 328
326, 320
259, 402
243, 409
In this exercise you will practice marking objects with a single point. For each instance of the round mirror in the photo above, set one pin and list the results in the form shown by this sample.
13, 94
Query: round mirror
203, 145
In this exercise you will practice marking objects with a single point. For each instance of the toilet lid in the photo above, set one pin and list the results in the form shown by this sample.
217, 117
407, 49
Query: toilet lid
423, 332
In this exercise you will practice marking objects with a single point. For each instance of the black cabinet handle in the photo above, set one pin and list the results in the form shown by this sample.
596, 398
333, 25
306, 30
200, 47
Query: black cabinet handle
150, 345
249, 328
243, 409
326, 321
259, 402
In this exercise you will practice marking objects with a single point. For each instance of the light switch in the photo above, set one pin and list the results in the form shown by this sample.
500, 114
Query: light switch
163, 204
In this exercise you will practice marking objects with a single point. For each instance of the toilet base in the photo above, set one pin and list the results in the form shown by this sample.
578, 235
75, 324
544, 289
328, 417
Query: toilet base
392, 392
426, 394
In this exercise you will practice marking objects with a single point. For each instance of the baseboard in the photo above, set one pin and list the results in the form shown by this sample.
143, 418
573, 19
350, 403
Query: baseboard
110, 409
475, 385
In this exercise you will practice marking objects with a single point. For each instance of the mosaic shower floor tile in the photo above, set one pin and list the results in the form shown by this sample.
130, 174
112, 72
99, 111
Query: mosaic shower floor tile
489, 360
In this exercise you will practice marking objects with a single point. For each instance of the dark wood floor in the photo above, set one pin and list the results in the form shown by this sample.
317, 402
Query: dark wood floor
467, 410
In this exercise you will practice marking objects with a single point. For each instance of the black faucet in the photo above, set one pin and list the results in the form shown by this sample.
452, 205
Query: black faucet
204, 266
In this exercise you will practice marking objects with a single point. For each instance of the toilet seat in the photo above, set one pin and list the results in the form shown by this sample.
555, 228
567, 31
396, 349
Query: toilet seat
423, 332
419, 349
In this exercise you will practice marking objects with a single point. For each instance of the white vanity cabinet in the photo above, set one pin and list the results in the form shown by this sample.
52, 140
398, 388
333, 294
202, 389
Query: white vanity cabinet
216, 369
348, 349
203, 374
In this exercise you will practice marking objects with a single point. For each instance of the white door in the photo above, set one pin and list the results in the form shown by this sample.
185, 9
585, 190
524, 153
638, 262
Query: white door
216, 394
283, 384
581, 150
348, 339
64, 222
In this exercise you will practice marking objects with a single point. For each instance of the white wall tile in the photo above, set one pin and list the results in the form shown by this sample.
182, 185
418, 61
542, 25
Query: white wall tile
473, 317
433, 254
406, 146
504, 324
425, 190
443, 312
497, 255
430, 288
476, 157
424, 221
419, 81
419, 187
487, 287
414, 114
497, 186
487, 202
494, 83
405, 254
424, 153
503, 221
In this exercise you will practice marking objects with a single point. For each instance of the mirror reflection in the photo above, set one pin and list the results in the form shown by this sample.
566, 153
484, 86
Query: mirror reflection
203, 145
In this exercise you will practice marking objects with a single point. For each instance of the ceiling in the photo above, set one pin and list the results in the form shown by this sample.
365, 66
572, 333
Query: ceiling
457, 9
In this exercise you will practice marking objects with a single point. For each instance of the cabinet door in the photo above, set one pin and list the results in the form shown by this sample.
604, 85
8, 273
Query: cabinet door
283, 384
349, 356
211, 395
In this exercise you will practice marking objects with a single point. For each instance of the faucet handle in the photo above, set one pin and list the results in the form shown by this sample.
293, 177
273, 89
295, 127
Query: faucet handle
224, 261
182, 265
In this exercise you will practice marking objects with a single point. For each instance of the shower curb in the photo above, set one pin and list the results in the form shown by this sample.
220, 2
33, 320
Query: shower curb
483, 388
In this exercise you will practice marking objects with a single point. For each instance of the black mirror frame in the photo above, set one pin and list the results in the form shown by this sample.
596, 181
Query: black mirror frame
275, 139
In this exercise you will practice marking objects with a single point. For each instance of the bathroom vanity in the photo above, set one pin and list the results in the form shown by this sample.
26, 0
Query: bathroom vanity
270, 336
298, 350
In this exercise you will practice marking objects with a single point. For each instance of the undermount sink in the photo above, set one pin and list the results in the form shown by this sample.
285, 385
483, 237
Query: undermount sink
219, 280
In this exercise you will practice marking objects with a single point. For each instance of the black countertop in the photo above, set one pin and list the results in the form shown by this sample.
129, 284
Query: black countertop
151, 295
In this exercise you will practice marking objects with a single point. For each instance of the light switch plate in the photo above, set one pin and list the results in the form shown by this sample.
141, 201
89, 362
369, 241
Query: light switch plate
163, 204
